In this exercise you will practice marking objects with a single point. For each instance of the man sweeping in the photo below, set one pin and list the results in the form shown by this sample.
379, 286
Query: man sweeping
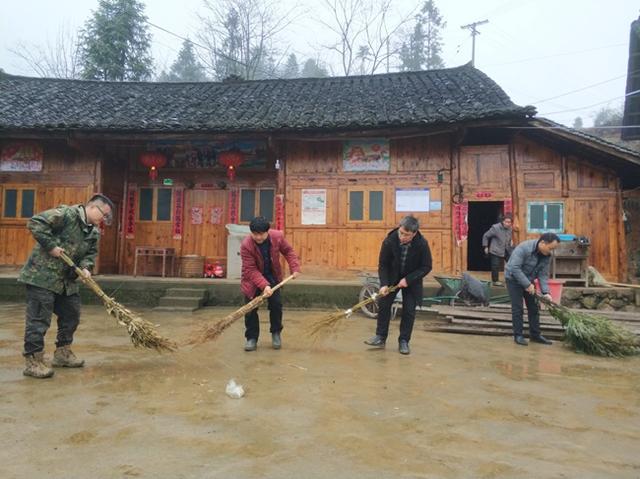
51, 284
261, 270
528, 262
405, 258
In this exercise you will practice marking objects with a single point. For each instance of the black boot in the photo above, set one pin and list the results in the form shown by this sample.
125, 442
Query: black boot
251, 344
541, 339
521, 341
403, 347
376, 341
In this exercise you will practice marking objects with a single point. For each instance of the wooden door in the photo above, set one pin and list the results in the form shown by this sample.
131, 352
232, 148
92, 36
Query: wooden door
592, 219
209, 238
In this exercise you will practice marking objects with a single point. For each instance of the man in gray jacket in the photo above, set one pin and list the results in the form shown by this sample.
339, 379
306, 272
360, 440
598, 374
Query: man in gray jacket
496, 242
528, 262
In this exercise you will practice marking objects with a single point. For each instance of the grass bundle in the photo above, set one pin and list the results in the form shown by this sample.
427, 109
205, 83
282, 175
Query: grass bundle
329, 323
593, 334
212, 331
142, 332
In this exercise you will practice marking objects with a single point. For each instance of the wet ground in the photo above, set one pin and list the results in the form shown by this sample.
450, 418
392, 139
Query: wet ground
457, 407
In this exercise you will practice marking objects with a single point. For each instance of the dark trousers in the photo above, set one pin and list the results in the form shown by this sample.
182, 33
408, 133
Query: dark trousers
517, 295
252, 321
41, 303
496, 267
409, 302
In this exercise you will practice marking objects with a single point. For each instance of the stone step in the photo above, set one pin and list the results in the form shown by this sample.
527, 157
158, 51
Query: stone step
179, 301
176, 309
186, 292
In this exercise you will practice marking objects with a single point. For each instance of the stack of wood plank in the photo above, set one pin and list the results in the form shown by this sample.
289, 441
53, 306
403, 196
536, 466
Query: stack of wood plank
495, 320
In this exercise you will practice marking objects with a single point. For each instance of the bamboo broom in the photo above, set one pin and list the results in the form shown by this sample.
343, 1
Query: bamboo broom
141, 331
212, 331
593, 334
330, 322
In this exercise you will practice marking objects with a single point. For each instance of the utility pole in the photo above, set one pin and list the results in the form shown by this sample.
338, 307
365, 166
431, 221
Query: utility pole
474, 32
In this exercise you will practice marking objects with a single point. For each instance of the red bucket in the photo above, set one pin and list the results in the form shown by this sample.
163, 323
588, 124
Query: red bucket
555, 289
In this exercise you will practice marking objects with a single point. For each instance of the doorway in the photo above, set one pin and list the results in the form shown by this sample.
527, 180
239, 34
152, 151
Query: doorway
481, 215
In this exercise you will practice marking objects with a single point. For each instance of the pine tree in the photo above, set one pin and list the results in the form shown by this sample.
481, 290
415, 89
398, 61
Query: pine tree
186, 67
116, 44
312, 69
291, 68
422, 50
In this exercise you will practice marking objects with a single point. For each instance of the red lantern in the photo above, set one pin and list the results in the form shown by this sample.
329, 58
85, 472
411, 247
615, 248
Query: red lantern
231, 159
153, 160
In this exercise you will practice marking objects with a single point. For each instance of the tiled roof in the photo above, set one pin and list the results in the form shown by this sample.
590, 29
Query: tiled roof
423, 98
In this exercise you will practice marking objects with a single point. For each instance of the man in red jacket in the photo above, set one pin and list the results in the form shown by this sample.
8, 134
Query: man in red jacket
261, 270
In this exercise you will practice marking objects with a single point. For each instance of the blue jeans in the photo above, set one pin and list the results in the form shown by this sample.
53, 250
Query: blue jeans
517, 295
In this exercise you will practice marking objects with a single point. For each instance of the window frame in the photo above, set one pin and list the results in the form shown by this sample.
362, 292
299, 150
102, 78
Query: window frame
256, 204
19, 194
366, 205
545, 229
154, 204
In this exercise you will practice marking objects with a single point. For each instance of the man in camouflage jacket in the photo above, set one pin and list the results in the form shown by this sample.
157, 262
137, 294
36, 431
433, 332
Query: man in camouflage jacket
51, 284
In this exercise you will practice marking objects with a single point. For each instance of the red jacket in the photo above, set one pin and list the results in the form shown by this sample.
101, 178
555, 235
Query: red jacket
253, 264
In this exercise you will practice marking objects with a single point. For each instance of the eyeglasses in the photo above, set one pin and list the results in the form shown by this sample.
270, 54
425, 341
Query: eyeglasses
107, 218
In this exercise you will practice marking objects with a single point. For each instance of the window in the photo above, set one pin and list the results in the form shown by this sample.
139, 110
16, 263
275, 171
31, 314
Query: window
256, 203
155, 204
545, 217
366, 205
18, 203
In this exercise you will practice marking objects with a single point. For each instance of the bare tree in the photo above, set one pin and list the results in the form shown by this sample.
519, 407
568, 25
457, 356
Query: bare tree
364, 26
241, 36
59, 58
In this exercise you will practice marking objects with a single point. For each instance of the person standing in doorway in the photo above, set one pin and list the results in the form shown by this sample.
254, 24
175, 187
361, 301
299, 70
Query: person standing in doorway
529, 261
405, 258
51, 284
261, 270
497, 243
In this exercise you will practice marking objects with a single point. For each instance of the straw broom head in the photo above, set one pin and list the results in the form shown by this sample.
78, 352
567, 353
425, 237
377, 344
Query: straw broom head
592, 334
329, 323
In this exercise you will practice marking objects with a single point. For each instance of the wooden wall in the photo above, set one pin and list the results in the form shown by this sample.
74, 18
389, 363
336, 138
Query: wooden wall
68, 177
343, 245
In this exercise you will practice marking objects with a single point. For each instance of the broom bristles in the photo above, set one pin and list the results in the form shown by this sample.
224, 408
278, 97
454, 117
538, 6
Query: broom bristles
593, 334
329, 323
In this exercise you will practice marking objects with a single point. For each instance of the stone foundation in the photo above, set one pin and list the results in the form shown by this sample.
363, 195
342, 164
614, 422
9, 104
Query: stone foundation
604, 299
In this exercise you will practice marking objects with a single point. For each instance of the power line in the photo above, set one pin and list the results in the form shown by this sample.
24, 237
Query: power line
595, 104
581, 89
523, 60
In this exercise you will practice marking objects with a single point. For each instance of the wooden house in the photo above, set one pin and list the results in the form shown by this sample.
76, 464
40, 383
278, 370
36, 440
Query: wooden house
335, 162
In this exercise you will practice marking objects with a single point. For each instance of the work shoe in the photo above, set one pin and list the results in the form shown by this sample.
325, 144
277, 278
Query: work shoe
251, 345
64, 358
498, 283
276, 340
376, 341
541, 339
403, 347
521, 341
36, 367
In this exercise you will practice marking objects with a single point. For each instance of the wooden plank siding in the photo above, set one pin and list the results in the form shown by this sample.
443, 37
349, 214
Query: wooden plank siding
68, 177
341, 244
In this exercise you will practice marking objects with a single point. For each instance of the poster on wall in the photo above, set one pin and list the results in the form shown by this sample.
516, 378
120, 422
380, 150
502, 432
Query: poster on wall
21, 156
233, 206
178, 210
314, 207
365, 155
130, 212
196, 215
412, 200
215, 217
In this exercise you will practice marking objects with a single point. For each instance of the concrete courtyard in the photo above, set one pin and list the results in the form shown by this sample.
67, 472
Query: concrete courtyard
457, 407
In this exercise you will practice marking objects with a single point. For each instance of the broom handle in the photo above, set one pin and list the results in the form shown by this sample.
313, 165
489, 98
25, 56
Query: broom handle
625, 285
279, 285
90, 282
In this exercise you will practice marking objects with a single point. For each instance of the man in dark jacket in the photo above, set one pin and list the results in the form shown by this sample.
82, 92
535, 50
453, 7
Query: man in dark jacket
405, 258
528, 262
497, 243
261, 270
51, 284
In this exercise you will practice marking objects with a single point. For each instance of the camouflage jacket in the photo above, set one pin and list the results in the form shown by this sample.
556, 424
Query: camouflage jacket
63, 226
